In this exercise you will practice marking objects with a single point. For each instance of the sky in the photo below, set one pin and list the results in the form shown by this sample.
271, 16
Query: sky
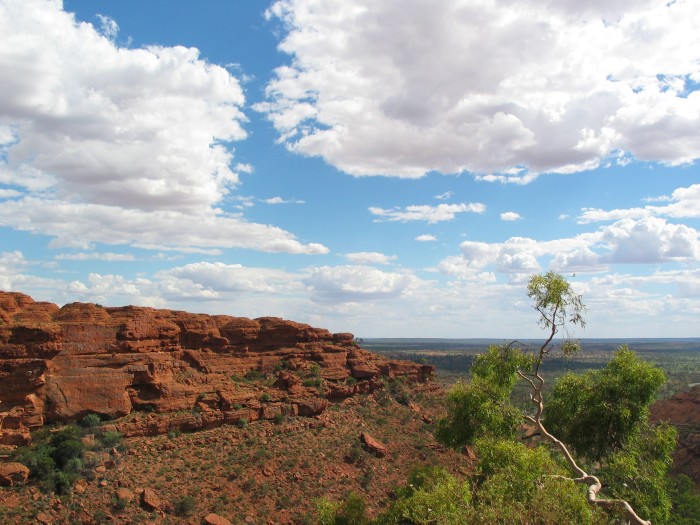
390, 169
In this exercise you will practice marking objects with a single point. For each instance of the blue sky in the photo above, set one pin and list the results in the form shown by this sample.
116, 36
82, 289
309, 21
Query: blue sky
392, 169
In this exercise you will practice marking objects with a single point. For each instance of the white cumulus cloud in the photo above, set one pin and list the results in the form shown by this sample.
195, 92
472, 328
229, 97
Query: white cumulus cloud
510, 216
95, 256
218, 279
369, 258
158, 230
682, 203
504, 89
116, 141
426, 237
650, 240
429, 214
357, 283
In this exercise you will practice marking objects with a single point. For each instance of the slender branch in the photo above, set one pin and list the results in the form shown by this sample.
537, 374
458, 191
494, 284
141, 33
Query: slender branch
593, 483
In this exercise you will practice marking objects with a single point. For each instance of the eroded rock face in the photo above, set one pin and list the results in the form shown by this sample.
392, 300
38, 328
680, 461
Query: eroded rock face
683, 411
13, 474
60, 364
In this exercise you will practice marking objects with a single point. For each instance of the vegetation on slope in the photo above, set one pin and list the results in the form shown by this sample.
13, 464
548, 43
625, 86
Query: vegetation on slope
602, 416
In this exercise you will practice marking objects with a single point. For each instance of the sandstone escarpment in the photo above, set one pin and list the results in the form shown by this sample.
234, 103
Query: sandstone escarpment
683, 411
193, 370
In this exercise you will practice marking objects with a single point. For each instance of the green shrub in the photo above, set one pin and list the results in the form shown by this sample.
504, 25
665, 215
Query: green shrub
399, 392
185, 506
90, 421
253, 375
57, 458
111, 439
432, 495
356, 455
686, 501
352, 511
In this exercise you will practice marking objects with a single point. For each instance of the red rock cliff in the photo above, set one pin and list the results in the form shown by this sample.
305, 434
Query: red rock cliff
63, 363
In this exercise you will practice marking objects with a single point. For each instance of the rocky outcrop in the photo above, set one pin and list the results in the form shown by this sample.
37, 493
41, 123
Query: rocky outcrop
194, 370
372, 445
683, 411
13, 474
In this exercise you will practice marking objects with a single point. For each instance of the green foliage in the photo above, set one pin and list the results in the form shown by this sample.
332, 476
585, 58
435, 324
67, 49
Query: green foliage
597, 412
518, 484
253, 375
556, 302
482, 407
432, 496
602, 415
357, 454
685, 500
512, 484
111, 439
56, 460
637, 473
475, 410
38, 459
352, 511
499, 366
185, 506
398, 390
90, 421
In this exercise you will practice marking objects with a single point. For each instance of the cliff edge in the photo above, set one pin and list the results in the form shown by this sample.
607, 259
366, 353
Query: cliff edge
190, 370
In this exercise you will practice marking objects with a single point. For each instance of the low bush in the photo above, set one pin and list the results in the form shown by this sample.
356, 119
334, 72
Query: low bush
185, 506
56, 460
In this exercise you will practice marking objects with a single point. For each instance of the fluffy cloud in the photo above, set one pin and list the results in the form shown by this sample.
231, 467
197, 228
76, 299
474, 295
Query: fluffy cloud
430, 214
369, 258
11, 263
211, 280
357, 283
650, 240
683, 203
426, 237
403, 88
95, 256
581, 260
78, 225
103, 135
280, 200
510, 216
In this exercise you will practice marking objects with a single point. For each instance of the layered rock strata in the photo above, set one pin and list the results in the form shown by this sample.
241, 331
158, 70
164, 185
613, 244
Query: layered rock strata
192, 370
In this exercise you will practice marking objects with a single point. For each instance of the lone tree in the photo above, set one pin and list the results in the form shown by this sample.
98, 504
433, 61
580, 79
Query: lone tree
602, 415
